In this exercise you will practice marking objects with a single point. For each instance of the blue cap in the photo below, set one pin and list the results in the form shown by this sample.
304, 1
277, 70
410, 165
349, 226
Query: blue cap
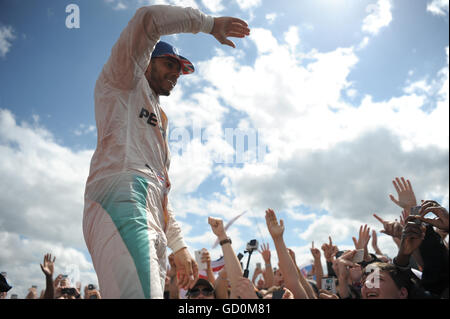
165, 49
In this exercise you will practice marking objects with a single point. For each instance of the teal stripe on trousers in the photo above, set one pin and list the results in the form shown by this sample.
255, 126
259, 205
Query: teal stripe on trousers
126, 205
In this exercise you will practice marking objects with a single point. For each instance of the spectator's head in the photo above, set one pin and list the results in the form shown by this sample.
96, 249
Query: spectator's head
278, 278
386, 281
355, 273
260, 284
202, 289
65, 282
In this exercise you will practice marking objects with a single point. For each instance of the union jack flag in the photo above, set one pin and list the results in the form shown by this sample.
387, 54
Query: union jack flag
216, 266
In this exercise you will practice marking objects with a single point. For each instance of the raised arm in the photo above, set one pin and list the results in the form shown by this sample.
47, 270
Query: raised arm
287, 265
317, 266
363, 241
131, 54
48, 268
268, 269
232, 264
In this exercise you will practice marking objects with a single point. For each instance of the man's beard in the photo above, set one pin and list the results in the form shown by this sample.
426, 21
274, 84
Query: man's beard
154, 78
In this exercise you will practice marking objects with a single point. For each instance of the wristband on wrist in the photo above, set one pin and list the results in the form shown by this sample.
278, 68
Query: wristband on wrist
225, 241
400, 266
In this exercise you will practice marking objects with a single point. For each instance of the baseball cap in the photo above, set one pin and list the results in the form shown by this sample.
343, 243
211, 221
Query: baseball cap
165, 49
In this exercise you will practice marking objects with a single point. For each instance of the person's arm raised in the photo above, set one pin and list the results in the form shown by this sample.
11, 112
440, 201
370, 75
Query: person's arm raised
317, 266
48, 268
131, 54
363, 241
268, 270
287, 265
232, 264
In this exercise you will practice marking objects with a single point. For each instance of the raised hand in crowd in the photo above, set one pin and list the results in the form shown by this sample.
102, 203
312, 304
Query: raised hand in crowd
406, 197
363, 241
329, 250
393, 229
268, 269
48, 268
375, 243
303, 279
206, 259
318, 269
287, 265
232, 264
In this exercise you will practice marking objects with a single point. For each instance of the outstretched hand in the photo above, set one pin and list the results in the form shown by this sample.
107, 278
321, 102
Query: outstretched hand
265, 252
225, 27
315, 252
49, 265
393, 229
363, 238
442, 217
276, 230
406, 197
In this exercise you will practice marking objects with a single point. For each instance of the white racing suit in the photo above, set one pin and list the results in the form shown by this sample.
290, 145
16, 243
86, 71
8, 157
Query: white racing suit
128, 222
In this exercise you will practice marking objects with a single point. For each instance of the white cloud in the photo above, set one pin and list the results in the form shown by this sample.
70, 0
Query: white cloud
84, 129
438, 7
214, 6
248, 4
42, 202
291, 37
6, 37
380, 16
271, 17
120, 6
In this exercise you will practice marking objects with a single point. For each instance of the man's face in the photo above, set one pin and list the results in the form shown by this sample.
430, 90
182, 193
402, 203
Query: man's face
162, 74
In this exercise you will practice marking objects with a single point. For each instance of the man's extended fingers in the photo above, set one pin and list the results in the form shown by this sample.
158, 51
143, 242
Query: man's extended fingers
381, 220
195, 274
239, 22
396, 183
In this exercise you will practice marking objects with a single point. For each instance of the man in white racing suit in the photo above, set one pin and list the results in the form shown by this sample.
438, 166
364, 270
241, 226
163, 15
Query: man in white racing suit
128, 221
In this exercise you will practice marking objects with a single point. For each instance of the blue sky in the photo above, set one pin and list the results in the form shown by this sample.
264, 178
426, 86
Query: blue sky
346, 95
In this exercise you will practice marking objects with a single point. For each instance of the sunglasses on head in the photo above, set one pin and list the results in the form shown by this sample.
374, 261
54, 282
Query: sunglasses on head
193, 293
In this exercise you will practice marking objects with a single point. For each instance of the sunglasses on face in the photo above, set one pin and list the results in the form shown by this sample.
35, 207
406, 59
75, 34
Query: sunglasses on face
194, 293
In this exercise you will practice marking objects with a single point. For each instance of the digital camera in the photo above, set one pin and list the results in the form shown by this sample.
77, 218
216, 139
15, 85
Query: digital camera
252, 245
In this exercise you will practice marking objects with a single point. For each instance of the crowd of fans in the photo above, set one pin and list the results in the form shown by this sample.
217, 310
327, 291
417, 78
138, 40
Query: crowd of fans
419, 270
